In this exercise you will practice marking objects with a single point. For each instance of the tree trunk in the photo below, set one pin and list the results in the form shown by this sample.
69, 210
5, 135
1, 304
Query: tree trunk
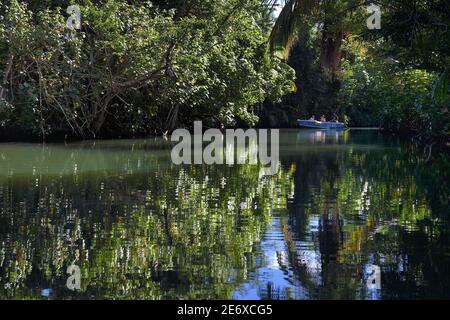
331, 53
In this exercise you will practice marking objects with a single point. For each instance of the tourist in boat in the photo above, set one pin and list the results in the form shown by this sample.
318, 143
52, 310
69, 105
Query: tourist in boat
323, 119
313, 118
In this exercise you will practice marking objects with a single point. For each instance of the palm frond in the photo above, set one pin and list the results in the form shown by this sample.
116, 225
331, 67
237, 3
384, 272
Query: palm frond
291, 21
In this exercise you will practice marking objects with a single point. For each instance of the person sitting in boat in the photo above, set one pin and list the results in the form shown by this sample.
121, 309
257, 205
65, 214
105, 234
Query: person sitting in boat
323, 119
313, 118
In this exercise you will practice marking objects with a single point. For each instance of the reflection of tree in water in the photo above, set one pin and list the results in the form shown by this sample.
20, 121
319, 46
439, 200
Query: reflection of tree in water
316, 193
359, 207
270, 291
172, 232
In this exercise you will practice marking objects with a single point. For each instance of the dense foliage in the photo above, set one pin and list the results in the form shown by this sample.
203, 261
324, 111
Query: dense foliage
379, 91
395, 77
142, 67
135, 67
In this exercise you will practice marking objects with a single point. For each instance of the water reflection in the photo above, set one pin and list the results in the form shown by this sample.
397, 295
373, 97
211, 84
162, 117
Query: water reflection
323, 136
358, 202
140, 227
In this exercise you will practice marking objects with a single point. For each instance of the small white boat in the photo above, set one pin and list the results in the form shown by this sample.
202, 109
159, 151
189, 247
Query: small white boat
320, 125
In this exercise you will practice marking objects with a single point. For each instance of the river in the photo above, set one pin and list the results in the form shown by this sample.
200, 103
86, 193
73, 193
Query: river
349, 215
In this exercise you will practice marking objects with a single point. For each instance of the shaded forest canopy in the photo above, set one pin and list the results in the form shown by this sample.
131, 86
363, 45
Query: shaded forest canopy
137, 68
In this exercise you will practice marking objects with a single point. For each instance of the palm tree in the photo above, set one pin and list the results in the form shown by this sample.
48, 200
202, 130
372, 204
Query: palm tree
298, 16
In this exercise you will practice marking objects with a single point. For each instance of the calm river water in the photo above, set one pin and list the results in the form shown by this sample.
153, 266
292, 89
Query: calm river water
348, 216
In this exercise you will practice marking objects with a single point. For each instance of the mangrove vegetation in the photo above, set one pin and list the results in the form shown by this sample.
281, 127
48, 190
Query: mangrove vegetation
140, 68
